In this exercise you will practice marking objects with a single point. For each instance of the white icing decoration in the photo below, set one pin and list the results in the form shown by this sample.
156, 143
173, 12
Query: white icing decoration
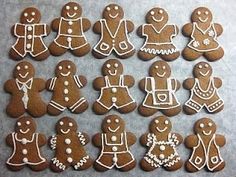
27, 122
53, 142
59, 164
68, 150
66, 83
81, 162
67, 141
57, 105
113, 138
117, 120
24, 151
77, 104
81, 138
70, 124
206, 41
108, 121
69, 159
166, 122
18, 123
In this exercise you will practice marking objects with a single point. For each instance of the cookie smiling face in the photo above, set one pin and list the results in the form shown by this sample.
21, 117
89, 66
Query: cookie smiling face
65, 68
160, 124
201, 15
66, 125
71, 10
202, 69
113, 12
25, 126
205, 127
112, 67
113, 124
30, 15
23, 71
157, 15
160, 69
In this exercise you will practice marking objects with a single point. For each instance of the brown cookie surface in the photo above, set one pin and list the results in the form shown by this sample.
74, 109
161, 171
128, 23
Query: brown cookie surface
70, 28
203, 33
114, 89
29, 33
160, 91
203, 90
206, 147
114, 32
158, 36
26, 143
114, 143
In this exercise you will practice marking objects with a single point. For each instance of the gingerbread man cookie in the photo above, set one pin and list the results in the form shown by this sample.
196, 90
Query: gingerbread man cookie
114, 32
30, 33
114, 88
66, 89
160, 91
26, 143
69, 147
204, 90
161, 144
24, 90
206, 147
158, 36
70, 27
203, 35
114, 143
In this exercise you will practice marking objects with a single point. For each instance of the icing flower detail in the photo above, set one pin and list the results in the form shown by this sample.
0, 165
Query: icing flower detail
206, 41
211, 33
196, 44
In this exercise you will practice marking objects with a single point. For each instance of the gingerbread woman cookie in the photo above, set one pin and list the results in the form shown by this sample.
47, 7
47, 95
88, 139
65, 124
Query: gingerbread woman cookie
206, 147
160, 91
69, 147
26, 143
66, 89
114, 143
203, 35
24, 90
30, 33
158, 36
114, 88
70, 27
161, 144
114, 32
204, 90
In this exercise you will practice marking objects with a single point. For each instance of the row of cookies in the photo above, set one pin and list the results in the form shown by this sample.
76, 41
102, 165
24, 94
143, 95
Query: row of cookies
114, 30
159, 88
114, 143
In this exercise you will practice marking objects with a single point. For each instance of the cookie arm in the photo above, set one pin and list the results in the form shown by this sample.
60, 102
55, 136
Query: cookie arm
48, 30
191, 141
83, 138
98, 83
220, 140
188, 83
13, 30
140, 31
86, 24
97, 140
178, 139
83, 80
218, 28
217, 82
97, 27
52, 142
9, 140
41, 84
41, 139
50, 84
9, 85
130, 26
55, 24
129, 81
142, 85
187, 29
131, 138
175, 84
144, 139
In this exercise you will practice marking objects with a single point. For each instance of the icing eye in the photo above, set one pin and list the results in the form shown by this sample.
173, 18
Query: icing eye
18, 68
68, 66
26, 14
166, 122
116, 65
70, 124
156, 66
27, 122
60, 67
152, 12
108, 121
26, 67
117, 120
160, 11
209, 124
206, 13
108, 8
199, 12
61, 123
116, 7
200, 66
33, 13
206, 65
163, 67
67, 7
201, 125
108, 65
75, 8
18, 123
156, 121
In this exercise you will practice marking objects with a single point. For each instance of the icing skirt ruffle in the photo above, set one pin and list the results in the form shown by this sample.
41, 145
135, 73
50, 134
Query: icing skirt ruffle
163, 49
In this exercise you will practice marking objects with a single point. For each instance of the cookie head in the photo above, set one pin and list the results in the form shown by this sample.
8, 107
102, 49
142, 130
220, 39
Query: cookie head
65, 68
160, 124
71, 10
205, 127
157, 16
30, 15
66, 125
25, 126
201, 15
23, 71
113, 124
202, 69
160, 69
112, 67
113, 12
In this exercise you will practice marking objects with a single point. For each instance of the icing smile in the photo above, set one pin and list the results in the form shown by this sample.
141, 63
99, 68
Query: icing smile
29, 21
161, 75
156, 20
203, 20
24, 132
206, 133
113, 16
65, 132
67, 74
24, 76
113, 130
112, 74
71, 16
204, 74
161, 130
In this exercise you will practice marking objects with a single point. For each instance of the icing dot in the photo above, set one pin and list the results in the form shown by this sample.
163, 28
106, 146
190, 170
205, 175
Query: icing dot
116, 65
67, 7
70, 124
114, 148
114, 159
67, 141
69, 159
117, 120
156, 121
61, 123
33, 13
66, 91
162, 156
68, 66
26, 14
113, 138
206, 12
108, 8
25, 160
209, 124
69, 31
24, 141
163, 67
27, 122
152, 12
108, 65
69, 39
113, 40
24, 151
26, 67
116, 7
29, 28
114, 90
75, 8
28, 46
18, 123
29, 36
70, 23
161, 11
113, 99
206, 65
166, 122
60, 67
108, 121
201, 125
199, 12
162, 147
18, 68
68, 150
156, 66
66, 83
200, 66
66, 99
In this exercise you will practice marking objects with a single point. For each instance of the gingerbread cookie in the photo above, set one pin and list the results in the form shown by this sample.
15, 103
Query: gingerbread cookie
114, 87
66, 89
29, 33
114, 143
158, 36
160, 91
24, 90
206, 147
114, 32
69, 147
161, 144
203, 35
26, 143
204, 90
70, 27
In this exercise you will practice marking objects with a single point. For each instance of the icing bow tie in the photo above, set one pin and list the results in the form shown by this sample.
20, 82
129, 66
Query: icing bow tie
22, 85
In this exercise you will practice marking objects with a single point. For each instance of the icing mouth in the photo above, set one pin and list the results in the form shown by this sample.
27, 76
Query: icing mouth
206, 133
113, 16
204, 74
71, 16
161, 75
113, 130
65, 132
24, 76
29, 21
67, 74
112, 74
203, 20
161, 130
156, 20
24, 132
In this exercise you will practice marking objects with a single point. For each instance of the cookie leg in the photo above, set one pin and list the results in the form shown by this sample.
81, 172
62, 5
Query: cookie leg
85, 165
80, 107
214, 55
14, 55
15, 168
145, 111
190, 168
56, 50
128, 167
81, 51
55, 108
170, 57
175, 166
145, 56
99, 109
146, 166
37, 108
57, 166
98, 55
42, 56
99, 167
127, 55
220, 167
190, 54
128, 108
172, 111
39, 167
189, 110
15, 109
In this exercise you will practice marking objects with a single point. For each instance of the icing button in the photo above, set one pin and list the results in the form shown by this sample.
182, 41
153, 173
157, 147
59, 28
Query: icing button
114, 159
69, 159
25, 159
24, 151
69, 31
70, 23
66, 91
162, 147
24, 141
114, 148
67, 141
114, 90
29, 28
66, 83
161, 156
113, 138
113, 40
113, 99
66, 99
69, 39
29, 37
28, 46
68, 150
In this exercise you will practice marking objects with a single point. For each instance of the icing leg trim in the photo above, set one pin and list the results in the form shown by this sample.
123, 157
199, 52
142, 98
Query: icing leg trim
81, 162
60, 165
57, 106
77, 104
